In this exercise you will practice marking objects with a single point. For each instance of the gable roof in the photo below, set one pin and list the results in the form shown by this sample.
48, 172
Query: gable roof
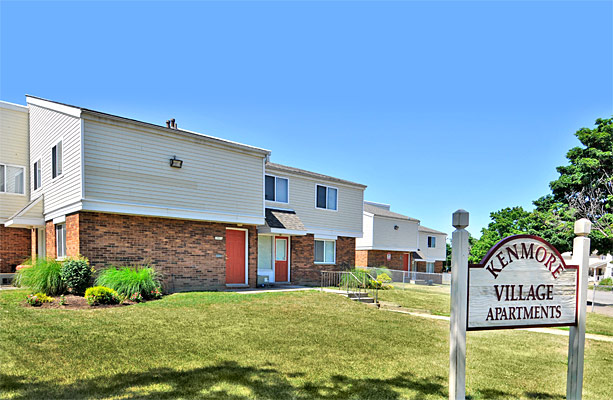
382, 212
310, 174
135, 121
430, 230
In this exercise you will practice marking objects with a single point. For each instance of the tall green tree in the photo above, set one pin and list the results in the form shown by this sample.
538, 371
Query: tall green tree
586, 183
583, 190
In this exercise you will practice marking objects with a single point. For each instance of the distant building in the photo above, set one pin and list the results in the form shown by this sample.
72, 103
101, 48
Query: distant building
396, 241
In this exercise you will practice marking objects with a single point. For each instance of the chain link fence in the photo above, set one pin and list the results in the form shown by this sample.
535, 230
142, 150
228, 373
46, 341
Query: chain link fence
401, 279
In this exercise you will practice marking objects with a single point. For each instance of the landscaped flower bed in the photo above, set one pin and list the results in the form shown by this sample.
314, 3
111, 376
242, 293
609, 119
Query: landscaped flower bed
70, 282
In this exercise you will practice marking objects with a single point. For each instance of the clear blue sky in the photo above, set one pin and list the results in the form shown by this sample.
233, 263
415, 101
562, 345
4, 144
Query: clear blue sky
434, 105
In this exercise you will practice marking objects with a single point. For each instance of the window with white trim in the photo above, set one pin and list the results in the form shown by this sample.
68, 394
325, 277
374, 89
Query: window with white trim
326, 197
325, 251
56, 160
431, 241
12, 179
430, 267
37, 174
276, 189
60, 240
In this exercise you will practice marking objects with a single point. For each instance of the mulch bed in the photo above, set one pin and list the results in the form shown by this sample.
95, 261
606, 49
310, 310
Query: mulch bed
77, 303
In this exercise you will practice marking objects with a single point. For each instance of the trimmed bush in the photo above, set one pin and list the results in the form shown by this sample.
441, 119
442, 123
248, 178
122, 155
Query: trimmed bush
77, 275
42, 276
606, 282
384, 278
101, 295
129, 280
37, 300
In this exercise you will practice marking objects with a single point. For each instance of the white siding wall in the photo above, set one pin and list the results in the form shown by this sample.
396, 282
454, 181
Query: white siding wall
387, 238
436, 253
47, 127
129, 163
365, 242
14, 151
346, 221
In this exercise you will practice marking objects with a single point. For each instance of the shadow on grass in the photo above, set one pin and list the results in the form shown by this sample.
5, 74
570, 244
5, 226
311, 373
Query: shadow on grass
229, 380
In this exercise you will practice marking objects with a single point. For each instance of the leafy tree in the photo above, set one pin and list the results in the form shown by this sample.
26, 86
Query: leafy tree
583, 190
586, 184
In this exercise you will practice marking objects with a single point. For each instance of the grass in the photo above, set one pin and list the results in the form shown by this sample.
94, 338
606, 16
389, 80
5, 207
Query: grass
270, 346
435, 300
42, 276
129, 280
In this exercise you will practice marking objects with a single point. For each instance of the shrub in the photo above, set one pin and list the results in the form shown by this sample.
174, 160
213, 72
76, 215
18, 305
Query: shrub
130, 280
37, 300
62, 301
384, 278
42, 276
77, 275
101, 295
606, 282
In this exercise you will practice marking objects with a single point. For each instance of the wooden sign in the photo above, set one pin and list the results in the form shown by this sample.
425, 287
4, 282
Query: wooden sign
521, 282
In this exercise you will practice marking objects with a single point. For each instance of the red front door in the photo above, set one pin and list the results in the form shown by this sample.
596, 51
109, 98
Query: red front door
235, 256
405, 262
281, 259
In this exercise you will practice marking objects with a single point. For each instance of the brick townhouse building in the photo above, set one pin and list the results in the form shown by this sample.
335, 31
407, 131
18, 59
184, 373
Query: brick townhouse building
398, 242
208, 213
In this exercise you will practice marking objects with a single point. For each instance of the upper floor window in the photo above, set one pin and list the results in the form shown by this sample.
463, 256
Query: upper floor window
37, 174
56, 160
276, 189
12, 179
431, 241
326, 197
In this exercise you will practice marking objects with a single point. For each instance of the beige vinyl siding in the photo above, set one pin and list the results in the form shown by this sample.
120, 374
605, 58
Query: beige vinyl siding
128, 163
345, 221
14, 151
436, 253
47, 127
365, 242
385, 237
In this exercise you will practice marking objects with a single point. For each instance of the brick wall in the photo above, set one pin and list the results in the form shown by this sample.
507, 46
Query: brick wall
72, 235
438, 267
50, 239
304, 271
378, 258
184, 252
361, 258
15, 247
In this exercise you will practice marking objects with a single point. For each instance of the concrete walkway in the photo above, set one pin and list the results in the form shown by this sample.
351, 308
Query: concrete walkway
271, 289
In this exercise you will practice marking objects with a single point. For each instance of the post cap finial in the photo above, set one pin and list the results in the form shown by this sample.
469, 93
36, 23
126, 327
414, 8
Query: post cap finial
460, 219
583, 227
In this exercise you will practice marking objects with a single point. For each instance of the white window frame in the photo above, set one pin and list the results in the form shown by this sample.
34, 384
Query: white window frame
324, 262
433, 241
57, 242
327, 187
61, 160
275, 188
23, 175
428, 265
35, 166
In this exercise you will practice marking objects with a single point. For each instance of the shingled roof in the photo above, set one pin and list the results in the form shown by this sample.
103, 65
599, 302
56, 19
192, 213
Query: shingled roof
382, 212
283, 219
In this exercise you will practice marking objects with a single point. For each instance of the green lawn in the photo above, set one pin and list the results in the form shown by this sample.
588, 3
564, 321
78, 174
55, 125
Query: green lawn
270, 346
435, 300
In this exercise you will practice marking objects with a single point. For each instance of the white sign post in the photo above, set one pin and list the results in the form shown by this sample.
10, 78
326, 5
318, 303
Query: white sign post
523, 281
457, 326
576, 339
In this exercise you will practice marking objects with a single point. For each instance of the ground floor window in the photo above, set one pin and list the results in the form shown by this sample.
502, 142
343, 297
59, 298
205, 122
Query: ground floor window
325, 251
430, 267
60, 240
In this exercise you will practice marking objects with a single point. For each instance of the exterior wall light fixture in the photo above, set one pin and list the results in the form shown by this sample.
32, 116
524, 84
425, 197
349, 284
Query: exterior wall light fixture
396, 227
175, 162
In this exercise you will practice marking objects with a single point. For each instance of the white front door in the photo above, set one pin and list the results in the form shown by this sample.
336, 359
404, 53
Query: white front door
265, 257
